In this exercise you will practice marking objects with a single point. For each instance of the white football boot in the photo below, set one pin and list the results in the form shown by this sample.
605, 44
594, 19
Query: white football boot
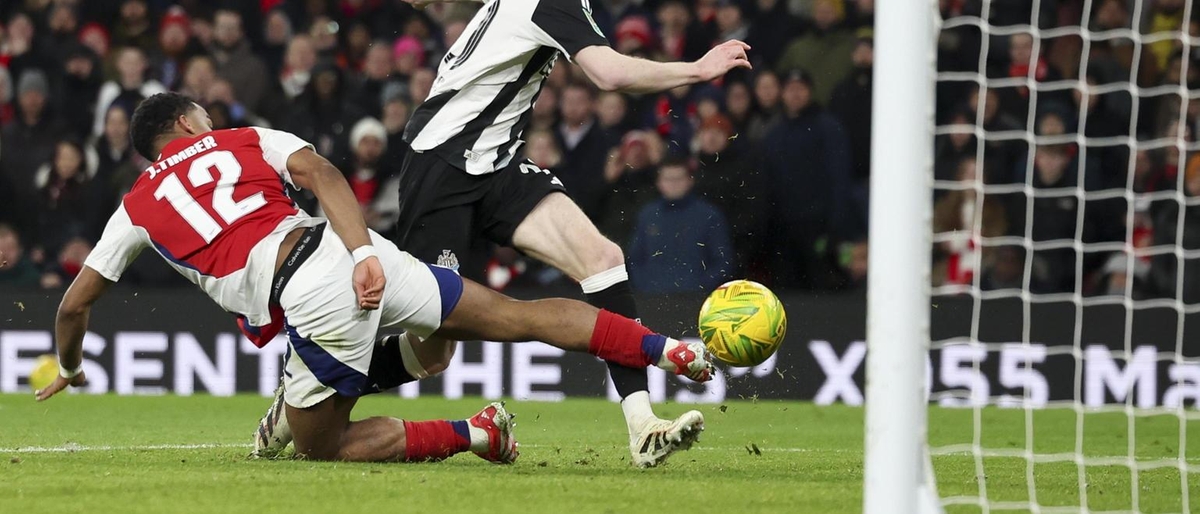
273, 434
655, 439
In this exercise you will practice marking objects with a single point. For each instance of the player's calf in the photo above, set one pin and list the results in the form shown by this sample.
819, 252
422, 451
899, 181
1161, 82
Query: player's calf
395, 360
323, 432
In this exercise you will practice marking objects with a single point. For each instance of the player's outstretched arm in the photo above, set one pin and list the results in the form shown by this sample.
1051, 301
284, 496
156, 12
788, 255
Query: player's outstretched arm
612, 71
69, 327
315, 173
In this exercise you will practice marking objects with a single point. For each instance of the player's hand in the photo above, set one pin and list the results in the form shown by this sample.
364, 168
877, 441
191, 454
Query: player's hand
722, 58
368, 283
59, 384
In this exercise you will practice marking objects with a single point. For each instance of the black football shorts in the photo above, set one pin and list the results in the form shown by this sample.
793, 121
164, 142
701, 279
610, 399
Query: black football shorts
444, 209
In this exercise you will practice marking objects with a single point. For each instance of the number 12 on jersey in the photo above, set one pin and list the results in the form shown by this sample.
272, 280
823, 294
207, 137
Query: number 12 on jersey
199, 174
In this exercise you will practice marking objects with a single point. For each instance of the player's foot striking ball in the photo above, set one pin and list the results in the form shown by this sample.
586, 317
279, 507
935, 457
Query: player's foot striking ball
742, 323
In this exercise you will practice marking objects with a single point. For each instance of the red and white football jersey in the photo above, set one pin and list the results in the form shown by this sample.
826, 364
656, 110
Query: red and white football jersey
215, 207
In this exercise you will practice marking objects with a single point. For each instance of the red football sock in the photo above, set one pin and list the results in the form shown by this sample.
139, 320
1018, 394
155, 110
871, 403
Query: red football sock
619, 339
434, 440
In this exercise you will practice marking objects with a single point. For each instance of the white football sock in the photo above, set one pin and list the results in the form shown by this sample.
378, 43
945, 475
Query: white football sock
637, 410
479, 438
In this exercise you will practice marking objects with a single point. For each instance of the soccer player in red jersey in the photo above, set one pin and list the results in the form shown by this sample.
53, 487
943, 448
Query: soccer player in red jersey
214, 205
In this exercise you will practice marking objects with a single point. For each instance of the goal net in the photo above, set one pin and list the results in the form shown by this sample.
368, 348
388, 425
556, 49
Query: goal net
1065, 276
1063, 346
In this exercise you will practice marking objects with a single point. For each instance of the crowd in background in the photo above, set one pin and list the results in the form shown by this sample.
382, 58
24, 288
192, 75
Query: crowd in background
1113, 180
762, 174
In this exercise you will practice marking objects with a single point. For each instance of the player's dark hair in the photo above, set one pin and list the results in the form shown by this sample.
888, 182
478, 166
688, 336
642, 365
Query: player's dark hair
154, 117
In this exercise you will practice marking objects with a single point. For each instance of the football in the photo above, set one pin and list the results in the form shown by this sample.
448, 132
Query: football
45, 370
742, 323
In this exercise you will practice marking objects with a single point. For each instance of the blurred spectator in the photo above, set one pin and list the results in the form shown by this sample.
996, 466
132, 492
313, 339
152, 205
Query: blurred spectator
950, 149
824, 51
768, 110
79, 87
420, 84
324, 32
368, 139
634, 36
739, 106
221, 91
298, 63
585, 146
725, 177
674, 118
1001, 156
1165, 16
66, 201
408, 55
198, 77
730, 22
357, 41
34, 132
1007, 270
376, 72
395, 115
806, 163
323, 116
175, 47
115, 171
63, 23
95, 37
133, 26
1118, 273
277, 34
130, 86
18, 51
16, 269
542, 148
680, 39
608, 13
612, 112
1167, 267
630, 173
545, 110
954, 216
851, 103
68, 264
1054, 218
235, 60
771, 27
681, 242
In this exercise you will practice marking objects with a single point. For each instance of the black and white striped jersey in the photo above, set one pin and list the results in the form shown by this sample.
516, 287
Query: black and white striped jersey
483, 96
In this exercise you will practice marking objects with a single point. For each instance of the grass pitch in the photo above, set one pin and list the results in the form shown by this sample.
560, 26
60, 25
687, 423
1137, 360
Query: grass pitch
100, 454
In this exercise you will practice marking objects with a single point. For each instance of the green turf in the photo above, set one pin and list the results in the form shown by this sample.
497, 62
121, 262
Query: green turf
572, 460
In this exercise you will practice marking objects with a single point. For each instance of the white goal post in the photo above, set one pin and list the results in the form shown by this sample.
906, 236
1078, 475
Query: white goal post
1073, 386
896, 472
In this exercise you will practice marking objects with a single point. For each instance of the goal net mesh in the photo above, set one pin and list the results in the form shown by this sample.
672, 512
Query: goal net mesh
1066, 280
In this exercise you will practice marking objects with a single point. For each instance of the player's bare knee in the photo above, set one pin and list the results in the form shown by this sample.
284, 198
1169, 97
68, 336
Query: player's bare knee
427, 357
440, 358
608, 256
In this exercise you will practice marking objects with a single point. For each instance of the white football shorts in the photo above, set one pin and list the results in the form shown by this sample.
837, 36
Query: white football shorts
331, 339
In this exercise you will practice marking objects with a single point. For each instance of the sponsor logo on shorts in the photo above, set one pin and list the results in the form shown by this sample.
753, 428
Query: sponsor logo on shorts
448, 260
